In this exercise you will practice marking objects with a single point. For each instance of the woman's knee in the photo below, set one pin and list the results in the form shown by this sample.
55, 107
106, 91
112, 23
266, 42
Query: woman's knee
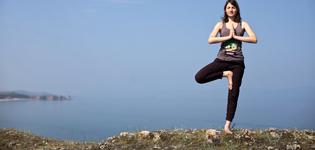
199, 79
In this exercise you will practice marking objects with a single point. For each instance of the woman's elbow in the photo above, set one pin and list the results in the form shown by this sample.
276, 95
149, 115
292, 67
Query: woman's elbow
254, 40
211, 41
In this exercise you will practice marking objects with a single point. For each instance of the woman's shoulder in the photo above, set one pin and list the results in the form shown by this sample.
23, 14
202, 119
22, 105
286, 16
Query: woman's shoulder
219, 25
244, 24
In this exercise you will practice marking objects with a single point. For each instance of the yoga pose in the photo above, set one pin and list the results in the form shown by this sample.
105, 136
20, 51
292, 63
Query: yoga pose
230, 60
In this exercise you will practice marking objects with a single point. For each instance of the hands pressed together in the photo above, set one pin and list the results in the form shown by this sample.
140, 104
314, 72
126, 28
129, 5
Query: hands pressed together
251, 38
232, 33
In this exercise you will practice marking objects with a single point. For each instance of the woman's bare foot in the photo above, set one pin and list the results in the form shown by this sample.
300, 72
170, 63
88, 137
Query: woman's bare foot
229, 75
227, 129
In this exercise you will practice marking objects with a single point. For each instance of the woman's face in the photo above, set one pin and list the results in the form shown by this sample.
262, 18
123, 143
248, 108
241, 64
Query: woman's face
230, 10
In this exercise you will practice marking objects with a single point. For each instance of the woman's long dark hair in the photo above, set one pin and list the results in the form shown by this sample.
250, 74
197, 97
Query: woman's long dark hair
238, 13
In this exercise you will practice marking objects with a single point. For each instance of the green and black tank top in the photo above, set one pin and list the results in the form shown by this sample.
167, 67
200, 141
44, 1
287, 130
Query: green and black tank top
231, 50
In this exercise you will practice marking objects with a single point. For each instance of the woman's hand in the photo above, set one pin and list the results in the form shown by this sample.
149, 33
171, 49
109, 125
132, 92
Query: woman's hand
232, 33
213, 36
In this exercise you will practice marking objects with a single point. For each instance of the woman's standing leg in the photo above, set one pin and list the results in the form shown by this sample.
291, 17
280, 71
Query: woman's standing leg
238, 72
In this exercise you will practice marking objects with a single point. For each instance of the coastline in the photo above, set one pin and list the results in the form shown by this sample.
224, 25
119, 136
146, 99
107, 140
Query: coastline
12, 100
271, 138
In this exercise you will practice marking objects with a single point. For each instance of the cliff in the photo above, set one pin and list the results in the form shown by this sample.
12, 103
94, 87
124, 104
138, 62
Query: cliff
179, 139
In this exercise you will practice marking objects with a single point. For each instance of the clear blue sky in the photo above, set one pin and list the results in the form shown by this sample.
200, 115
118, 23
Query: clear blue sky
148, 48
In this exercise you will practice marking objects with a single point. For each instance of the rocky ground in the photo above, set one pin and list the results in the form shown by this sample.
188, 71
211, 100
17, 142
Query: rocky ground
270, 139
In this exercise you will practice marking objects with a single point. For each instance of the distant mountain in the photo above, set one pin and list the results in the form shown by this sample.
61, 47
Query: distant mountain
31, 95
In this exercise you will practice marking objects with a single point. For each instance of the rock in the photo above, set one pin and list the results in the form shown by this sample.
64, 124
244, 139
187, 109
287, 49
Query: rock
212, 133
11, 144
289, 147
156, 147
271, 129
156, 136
293, 147
123, 133
213, 136
270, 148
209, 140
102, 147
310, 137
89, 147
296, 146
237, 136
245, 131
274, 134
143, 134
109, 138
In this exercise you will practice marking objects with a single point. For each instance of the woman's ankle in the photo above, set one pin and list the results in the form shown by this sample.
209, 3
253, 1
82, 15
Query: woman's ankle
227, 73
227, 127
227, 124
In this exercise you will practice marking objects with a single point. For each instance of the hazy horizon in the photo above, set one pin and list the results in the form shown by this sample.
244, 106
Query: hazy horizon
149, 50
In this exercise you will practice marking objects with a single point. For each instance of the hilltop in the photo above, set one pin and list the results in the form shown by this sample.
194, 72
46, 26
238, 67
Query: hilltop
179, 139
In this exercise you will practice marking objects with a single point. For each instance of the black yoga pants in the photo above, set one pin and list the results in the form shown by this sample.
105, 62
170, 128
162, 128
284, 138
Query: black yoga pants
215, 70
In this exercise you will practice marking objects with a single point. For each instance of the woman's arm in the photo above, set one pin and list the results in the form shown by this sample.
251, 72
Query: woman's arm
213, 36
251, 38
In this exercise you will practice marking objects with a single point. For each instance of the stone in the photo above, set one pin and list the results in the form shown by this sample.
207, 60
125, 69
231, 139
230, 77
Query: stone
310, 137
213, 136
156, 136
209, 140
144, 134
296, 146
156, 147
289, 147
274, 134
110, 138
123, 133
237, 136
270, 148
271, 129
102, 147
212, 133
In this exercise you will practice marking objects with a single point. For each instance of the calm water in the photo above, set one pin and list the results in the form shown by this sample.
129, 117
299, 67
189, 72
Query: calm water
95, 119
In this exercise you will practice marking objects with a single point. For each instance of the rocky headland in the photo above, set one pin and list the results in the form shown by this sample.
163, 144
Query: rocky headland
177, 139
25, 95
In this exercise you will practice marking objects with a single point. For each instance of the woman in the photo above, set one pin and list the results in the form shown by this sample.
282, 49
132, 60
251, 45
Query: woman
230, 60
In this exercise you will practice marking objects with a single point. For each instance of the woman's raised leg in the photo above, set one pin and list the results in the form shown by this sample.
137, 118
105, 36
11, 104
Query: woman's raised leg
211, 72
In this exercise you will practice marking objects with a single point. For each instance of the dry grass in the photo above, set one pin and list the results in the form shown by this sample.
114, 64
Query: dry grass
170, 139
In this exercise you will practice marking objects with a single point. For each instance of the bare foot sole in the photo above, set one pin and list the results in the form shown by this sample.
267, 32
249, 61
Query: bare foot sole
229, 75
